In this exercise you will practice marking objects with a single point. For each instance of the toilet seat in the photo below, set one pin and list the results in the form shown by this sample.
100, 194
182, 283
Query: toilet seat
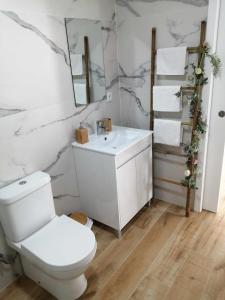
63, 245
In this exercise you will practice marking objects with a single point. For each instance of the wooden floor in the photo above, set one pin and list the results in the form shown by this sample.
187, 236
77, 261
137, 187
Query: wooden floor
162, 255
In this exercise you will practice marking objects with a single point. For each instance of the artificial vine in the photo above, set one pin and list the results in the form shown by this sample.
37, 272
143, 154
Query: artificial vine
197, 79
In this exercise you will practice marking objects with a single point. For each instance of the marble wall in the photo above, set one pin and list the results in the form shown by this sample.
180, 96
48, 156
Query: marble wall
177, 23
37, 112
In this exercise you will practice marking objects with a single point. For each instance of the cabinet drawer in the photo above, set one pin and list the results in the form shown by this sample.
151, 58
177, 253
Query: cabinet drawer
125, 156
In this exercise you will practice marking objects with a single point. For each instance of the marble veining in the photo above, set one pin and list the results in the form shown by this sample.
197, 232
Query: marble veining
62, 196
58, 156
98, 72
4, 112
175, 30
125, 3
57, 176
20, 130
137, 100
26, 25
133, 81
112, 83
137, 77
108, 30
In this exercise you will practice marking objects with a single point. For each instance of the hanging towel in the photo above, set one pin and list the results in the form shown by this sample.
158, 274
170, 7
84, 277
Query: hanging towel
77, 64
167, 132
165, 99
171, 61
80, 93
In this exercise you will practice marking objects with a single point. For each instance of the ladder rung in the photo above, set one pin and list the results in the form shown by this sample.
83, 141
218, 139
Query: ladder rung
169, 152
189, 50
168, 181
193, 49
188, 89
187, 124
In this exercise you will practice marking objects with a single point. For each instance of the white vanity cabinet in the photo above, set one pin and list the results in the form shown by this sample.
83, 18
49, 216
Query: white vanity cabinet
115, 186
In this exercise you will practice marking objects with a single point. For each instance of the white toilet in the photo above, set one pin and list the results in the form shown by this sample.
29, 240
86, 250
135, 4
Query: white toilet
55, 251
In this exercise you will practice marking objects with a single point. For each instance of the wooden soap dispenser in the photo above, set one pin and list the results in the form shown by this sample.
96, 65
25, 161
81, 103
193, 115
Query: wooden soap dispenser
81, 134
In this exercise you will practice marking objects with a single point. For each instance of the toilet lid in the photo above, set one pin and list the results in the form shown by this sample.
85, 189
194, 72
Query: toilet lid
62, 244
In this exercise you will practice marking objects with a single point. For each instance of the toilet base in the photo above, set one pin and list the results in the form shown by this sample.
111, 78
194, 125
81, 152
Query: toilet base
69, 289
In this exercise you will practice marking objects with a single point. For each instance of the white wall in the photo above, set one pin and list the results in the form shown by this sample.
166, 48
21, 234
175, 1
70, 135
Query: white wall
222, 184
37, 112
211, 38
216, 138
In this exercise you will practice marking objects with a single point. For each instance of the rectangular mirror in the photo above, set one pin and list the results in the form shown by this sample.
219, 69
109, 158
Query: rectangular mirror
85, 41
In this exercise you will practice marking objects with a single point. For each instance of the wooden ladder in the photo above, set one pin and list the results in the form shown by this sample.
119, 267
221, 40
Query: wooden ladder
184, 90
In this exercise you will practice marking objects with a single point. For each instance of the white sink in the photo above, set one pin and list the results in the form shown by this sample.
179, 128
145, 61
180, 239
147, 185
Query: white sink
116, 141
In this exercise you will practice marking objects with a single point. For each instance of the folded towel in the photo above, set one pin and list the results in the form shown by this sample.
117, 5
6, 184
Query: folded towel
77, 64
167, 132
80, 93
171, 61
165, 99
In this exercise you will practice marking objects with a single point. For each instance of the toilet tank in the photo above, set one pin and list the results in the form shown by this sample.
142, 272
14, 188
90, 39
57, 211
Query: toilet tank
26, 205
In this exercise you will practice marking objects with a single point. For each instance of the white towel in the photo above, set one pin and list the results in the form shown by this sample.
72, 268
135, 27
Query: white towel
167, 132
77, 64
171, 61
165, 99
80, 93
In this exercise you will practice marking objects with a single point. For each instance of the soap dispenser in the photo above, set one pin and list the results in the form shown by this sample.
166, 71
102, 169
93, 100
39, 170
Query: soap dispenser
81, 134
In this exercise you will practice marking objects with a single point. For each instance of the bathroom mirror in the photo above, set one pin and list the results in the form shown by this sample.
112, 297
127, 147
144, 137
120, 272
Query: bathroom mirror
85, 41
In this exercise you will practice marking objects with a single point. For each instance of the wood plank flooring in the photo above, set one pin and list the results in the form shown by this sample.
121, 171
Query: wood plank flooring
162, 255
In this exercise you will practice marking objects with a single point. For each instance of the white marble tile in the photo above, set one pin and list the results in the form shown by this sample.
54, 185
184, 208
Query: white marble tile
7, 273
98, 9
94, 9
110, 52
28, 153
134, 41
140, 8
35, 69
64, 185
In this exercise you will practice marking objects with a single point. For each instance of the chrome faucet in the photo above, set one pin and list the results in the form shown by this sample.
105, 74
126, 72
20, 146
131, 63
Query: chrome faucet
100, 127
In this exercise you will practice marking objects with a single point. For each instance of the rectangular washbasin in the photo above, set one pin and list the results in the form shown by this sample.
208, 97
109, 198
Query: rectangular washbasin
115, 142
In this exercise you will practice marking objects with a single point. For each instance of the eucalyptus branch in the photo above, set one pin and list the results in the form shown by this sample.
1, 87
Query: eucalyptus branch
197, 79
214, 59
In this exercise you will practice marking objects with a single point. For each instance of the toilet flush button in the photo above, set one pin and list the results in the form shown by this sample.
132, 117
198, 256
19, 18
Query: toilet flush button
22, 182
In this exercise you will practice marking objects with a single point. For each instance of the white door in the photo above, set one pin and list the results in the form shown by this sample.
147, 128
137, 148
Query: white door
213, 190
127, 192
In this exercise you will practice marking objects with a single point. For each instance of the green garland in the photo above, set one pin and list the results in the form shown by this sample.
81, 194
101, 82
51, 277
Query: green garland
197, 79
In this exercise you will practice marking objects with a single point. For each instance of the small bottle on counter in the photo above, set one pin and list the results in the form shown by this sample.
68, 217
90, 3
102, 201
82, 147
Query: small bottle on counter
81, 135
107, 124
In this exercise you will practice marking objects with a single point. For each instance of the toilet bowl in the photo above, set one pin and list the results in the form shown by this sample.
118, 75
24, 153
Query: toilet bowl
55, 250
